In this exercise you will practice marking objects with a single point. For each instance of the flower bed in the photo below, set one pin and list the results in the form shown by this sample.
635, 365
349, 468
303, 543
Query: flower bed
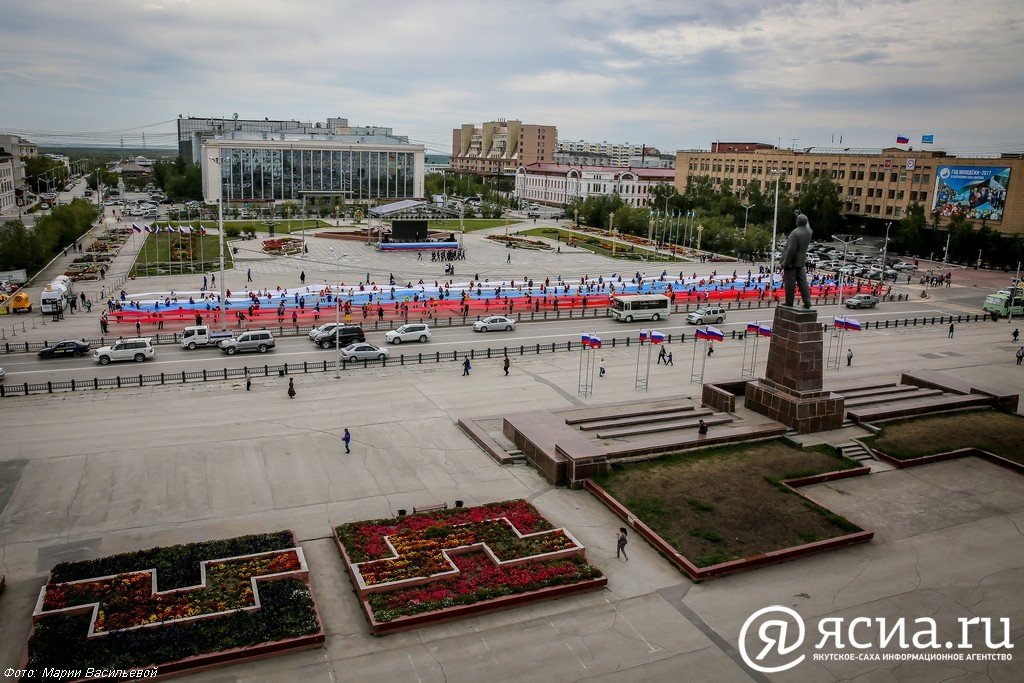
282, 245
425, 568
520, 242
176, 608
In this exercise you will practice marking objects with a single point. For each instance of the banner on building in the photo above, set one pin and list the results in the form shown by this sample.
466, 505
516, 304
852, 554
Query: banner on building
978, 191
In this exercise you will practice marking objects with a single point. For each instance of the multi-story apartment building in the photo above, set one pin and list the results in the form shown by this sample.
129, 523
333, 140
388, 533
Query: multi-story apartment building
643, 157
258, 167
557, 184
875, 183
192, 130
500, 147
618, 154
21, 149
7, 199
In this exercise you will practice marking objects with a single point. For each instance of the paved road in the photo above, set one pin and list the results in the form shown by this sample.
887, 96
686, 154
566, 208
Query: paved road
173, 359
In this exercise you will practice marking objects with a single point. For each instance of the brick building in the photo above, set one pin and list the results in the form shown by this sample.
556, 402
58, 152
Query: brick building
500, 147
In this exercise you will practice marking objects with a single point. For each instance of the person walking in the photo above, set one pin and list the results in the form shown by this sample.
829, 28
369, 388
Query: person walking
466, 367
1015, 335
711, 349
600, 369
506, 363
302, 277
620, 543
951, 330
509, 259
668, 360
248, 274
248, 381
347, 438
138, 328
291, 388
1020, 355
849, 357
103, 324
662, 355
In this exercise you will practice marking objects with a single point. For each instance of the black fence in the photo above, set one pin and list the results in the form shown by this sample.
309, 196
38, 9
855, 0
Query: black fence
9, 346
306, 367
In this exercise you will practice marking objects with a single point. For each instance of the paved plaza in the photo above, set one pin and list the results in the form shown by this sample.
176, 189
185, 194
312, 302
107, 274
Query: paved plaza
92, 474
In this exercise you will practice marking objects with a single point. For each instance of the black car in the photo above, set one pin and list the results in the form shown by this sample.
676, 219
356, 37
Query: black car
349, 334
69, 347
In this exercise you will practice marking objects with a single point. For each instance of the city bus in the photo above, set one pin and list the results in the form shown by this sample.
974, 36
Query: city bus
1001, 305
630, 307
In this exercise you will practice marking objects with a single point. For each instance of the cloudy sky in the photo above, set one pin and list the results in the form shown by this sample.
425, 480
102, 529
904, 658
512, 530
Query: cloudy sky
674, 74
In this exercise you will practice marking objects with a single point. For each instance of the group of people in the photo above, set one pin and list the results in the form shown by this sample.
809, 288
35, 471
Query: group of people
444, 255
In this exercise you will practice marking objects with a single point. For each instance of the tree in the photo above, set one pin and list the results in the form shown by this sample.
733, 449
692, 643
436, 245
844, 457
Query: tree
40, 168
909, 235
819, 201
961, 238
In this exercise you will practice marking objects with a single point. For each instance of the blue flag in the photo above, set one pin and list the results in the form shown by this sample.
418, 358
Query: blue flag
927, 139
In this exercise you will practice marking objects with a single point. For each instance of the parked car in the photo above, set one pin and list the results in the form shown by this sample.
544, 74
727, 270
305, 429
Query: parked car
862, 301
408, 332
325, 337
905, 266
137, 349
707, 314
69, 347
533, 214
364, 351
254, 340
495, 322
3, 374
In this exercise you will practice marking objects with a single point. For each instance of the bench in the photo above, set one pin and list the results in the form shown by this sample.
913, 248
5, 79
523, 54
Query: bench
689, 411
665, 427
887, 389
430, 508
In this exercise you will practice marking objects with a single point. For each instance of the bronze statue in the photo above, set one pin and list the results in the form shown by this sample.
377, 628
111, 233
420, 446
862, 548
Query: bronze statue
794, 259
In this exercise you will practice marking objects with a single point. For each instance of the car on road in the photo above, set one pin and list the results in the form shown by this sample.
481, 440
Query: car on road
364, 351
408, 332
495, 322
905, 266
862, 301
325, 337
136, 349
68, 347
254, 340
3, 374
705, 315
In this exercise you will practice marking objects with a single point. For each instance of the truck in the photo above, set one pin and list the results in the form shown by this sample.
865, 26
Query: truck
57, 294
195, 336
1005, 302
19, 302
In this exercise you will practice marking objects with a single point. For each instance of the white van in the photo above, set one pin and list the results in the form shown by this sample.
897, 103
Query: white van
54, 298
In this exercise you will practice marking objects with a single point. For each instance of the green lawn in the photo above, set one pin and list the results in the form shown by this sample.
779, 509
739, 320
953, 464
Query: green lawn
204, 253
471, 224
600, 246
259, 225
989, 430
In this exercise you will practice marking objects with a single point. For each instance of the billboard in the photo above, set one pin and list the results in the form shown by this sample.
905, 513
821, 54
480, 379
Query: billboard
978, 191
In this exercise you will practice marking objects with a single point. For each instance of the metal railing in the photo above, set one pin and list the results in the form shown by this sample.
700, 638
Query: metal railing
305, 367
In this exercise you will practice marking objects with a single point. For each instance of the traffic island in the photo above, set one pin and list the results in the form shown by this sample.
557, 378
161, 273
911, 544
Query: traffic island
731, 509
422, 569
175, 609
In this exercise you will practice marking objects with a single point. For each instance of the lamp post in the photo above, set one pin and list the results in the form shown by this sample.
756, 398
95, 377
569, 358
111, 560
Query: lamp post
778, 173
885, 252
220, 239
611, 229
746, 214
700, 229
842, 272
337, 315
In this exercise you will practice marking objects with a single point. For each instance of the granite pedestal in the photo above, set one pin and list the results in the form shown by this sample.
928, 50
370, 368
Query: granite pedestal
791, 390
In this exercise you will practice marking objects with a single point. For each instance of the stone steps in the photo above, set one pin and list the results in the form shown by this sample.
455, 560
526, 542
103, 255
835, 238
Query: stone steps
680, 414
854, 451
874, 391
913, 393
918, 407
610, 413
665, 427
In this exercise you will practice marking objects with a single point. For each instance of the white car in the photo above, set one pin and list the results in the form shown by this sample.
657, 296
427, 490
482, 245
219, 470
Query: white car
905, 266
364, 351
495, 322
408, 332
137, 350
708, 314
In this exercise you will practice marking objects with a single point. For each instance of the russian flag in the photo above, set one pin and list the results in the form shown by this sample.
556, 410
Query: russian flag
136, 228
764, 330
847, 324
595, 342
147, 228
585, 340
657, 337
902, 139
754, 328
713, 333
643, 335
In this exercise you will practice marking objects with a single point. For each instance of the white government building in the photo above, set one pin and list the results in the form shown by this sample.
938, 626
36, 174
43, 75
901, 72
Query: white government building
557, 184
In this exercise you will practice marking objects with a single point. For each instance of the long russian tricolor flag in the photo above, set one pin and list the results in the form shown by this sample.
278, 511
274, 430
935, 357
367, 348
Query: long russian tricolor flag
710, 333
842, 323
657, 337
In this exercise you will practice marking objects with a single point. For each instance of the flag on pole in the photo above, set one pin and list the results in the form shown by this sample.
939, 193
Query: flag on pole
657, 337
710, 333
753, 328
764, 330
843, 323
202, 230
147, 228
643, 335
136, 228
902, 139
595, 341
585, 340
928, 139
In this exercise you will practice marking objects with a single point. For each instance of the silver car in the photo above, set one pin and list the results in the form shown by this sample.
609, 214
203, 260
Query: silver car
364, 351
494, 322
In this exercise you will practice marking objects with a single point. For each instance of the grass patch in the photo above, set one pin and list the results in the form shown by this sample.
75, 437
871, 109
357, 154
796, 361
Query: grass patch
989, 430
600, 246
471, 224
199, 255
259, 225
728, 503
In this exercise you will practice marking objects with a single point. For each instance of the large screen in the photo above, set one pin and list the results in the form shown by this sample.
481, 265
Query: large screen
978, 191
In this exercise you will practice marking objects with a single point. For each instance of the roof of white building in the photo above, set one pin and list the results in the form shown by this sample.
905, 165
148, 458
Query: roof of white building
564, 169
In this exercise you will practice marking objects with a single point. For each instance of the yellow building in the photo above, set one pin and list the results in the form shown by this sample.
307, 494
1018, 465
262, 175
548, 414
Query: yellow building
500, 147
878, 183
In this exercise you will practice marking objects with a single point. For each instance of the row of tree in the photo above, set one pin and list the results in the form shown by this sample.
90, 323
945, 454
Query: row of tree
966, 244
178, 180
32, 248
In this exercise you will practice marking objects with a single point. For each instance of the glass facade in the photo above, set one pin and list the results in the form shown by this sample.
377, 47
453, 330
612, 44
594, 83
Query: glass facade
253, 174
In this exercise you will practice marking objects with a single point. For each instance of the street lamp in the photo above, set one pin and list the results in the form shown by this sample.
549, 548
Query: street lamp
746, 214
337, 315
842, 271
778, 173
220, 239
885, 251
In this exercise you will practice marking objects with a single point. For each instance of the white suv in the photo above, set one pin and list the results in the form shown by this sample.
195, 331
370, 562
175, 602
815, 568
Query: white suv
708, 314
408, 332
137, 350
